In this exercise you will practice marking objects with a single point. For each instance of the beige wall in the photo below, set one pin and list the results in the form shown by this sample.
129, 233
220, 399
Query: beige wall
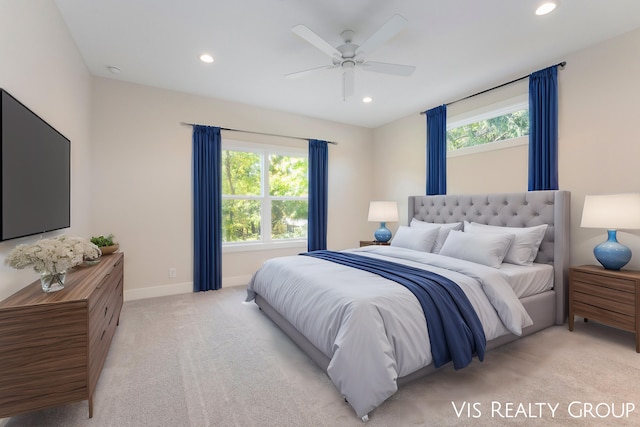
134, 179
131, 158
599, 101
41, 66
141, 162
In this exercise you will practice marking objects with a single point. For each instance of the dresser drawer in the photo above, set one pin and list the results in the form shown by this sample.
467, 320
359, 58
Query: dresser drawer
107, 307
106, 284
102, 331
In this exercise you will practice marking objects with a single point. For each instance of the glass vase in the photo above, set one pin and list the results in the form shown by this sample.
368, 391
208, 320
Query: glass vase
52, 282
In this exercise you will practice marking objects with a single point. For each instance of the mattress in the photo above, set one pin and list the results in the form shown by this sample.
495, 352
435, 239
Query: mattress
528, 280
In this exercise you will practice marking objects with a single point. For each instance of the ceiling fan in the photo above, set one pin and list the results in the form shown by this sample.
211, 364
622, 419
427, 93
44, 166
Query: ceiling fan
349, 55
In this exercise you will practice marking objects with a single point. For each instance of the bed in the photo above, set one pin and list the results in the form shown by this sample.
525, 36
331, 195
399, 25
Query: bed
370, 335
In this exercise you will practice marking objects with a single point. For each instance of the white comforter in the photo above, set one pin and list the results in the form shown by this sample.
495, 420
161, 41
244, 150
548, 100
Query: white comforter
373, 329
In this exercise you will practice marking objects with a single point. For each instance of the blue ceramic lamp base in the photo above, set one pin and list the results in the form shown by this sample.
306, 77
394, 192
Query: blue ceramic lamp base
382, 234
612, 254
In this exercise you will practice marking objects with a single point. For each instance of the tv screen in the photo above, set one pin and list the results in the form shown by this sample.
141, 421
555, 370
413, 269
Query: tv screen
36, 173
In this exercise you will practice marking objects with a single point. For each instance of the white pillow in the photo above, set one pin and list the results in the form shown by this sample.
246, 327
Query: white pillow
482, 248
419, 239
526, 243
442, 234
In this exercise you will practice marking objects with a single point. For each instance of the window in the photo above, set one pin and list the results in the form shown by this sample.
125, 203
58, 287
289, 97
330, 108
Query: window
506, 121
264, 194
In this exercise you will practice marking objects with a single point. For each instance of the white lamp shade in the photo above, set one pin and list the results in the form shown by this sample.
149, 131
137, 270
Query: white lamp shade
383, 211
611, 211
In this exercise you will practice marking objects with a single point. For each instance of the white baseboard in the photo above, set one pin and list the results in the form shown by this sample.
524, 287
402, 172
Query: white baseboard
157, 291
178, 288
235, 281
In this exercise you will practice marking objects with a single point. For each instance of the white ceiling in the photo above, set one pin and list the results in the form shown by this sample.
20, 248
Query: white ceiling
458, 46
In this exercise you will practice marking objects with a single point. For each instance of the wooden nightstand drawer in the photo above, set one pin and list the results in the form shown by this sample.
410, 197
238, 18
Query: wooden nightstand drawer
626, 308
373, 243
617, 283
605, 316
602, 295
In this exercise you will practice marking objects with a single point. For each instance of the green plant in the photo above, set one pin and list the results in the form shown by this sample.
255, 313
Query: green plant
102, 241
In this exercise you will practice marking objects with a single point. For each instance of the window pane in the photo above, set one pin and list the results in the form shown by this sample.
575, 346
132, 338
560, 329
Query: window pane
241, 173
288, 176
289, 219
240, 220
512, 125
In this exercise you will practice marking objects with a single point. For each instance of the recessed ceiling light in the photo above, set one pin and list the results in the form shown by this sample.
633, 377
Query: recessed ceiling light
546, 7
205, 57
367, 99
113, 69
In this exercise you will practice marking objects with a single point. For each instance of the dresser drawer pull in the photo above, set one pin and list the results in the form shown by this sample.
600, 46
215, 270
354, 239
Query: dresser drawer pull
111, 318
102, 336
105, 311
104, 279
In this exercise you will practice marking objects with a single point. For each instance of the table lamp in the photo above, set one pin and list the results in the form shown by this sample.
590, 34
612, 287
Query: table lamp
612, 212
383, 212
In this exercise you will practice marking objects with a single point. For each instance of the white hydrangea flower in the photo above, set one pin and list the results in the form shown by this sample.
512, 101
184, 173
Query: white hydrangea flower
53, 255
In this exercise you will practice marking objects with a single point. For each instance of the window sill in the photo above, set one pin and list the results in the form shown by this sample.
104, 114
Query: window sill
260, 246
499, 145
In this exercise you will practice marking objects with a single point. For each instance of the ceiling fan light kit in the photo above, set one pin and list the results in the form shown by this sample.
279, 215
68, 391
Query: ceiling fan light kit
546, 7
349, 56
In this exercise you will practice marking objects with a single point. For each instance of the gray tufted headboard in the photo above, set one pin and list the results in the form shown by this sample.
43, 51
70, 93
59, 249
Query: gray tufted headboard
512, 210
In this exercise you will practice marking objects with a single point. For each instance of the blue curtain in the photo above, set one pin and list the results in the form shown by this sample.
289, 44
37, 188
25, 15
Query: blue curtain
207, 209
543, 129
318, 186
437, 150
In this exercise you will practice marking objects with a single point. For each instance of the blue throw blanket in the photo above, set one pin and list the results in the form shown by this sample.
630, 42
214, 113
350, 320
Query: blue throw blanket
455, 331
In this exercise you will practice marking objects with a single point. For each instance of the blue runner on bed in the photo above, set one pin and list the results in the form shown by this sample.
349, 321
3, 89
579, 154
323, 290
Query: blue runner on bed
455, 331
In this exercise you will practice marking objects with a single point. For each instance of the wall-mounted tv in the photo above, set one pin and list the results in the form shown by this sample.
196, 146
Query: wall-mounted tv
36, 173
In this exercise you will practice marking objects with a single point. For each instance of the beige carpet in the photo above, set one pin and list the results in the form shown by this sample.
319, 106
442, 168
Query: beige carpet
207, 359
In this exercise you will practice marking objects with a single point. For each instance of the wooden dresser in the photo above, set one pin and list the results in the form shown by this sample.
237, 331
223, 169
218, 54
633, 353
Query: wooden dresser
53, 346
605, 296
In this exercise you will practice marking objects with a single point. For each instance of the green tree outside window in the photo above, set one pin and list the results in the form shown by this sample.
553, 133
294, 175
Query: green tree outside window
261, 184
507, 126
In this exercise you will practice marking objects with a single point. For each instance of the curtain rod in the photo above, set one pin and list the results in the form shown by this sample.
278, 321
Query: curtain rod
258, 133
560, 64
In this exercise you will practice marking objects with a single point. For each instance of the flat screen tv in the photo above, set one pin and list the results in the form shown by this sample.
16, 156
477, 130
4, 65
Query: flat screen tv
36, 173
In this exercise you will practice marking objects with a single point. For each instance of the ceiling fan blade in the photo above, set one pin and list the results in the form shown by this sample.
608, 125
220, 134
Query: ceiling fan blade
317, 41
348, 81
383, 67
385, 33
304, 73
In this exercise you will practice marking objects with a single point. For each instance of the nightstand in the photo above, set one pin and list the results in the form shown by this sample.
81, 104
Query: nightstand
373, 242
605, 296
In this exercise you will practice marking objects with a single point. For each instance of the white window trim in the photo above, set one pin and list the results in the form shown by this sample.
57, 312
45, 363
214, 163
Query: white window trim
492, 146
266, 243
497, 109
263, 246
